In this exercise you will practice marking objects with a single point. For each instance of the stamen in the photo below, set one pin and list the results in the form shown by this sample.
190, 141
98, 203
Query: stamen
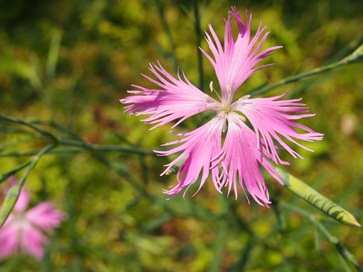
240, 102
213, 106
213, 90
244, 97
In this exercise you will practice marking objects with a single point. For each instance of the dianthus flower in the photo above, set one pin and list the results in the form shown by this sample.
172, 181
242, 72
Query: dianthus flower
227, 148
25, 230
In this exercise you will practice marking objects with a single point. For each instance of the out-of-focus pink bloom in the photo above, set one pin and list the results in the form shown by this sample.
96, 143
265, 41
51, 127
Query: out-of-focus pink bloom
25, 230
244, 133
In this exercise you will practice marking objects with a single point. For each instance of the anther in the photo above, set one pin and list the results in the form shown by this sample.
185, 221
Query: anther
211, 87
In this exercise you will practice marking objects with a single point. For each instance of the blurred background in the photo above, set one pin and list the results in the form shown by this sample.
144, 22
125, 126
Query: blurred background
65, 64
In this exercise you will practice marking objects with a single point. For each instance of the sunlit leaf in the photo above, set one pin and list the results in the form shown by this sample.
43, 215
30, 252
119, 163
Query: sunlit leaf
9, 202
319, 201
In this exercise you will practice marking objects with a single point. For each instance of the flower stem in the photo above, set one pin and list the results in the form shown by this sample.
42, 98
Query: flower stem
198, 34
355, 57
342, 251
44, 133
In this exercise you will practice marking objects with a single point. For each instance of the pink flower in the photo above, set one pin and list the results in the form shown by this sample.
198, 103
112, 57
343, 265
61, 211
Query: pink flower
226, 148
25, 230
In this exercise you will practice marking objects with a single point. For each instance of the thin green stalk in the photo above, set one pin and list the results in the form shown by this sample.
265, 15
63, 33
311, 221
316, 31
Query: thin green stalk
342, 251
355, 57
65, 151
242, 224
164, 22
121, 170
348, 49
14, 143
219, 245
53, 55
116, 148
68, 142
43, 133
81, 148
82, 144
240, 265
14, 171
198, 33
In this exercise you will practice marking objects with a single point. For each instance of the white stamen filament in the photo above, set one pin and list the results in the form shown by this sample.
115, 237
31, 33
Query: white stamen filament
226, 106
213, 90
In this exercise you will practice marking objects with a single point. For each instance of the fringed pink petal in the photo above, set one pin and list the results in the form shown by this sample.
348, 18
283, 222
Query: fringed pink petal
241, 162
32, 242
45, 216
23, 229
236, 60
9, 240
198, 148
177, 99
273, 122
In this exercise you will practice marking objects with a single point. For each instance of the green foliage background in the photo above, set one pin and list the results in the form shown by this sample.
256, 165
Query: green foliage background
65, 64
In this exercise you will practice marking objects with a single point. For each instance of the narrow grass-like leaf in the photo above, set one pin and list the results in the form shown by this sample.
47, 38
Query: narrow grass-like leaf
14, 171
174, 169
45, 134
13, 193
53, 54
240, 265
219, 244
9, 202
279, 216
343, 252
355, 57
319, 201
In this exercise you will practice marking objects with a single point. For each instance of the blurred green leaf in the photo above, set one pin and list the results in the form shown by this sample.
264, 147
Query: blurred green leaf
53, 54
13, 193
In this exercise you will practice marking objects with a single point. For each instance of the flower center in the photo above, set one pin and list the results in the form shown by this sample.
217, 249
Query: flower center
225, 105
225, 108
19, 221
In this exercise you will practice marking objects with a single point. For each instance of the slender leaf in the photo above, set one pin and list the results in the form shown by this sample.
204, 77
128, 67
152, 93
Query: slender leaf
9, 202
13, 193
319, 201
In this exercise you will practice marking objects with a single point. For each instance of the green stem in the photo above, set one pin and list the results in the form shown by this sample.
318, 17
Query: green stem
355, 57
14, 171
198, 33
347, 256
68, 142
64, 151
124, 149
44, 133
161, 11
53, 54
